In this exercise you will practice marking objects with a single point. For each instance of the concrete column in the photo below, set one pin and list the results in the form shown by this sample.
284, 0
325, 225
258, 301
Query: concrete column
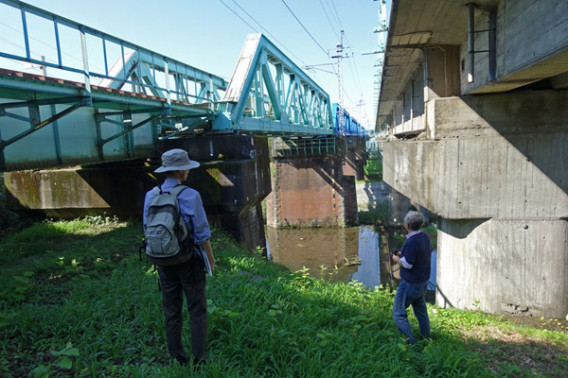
234, 180
399, 205
355, 157
504, 266
442, 72
494, 168
310, 192
74, 192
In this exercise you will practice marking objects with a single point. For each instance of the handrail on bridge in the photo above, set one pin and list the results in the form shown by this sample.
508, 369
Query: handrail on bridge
290, 147
119, 62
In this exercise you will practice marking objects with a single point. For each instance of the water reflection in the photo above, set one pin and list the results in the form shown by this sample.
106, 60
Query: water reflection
329, 253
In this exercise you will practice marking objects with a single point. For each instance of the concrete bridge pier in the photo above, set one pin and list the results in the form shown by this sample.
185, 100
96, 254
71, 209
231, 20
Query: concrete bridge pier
355, 157
494, 168
504, 266
233, 180
313, 184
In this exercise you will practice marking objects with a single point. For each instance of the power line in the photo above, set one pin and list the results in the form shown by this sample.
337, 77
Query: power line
308, 68
316, 67
11, 43
328, 19
336, 15
306, 30
267, 32
236, 14
53, 48
354, 67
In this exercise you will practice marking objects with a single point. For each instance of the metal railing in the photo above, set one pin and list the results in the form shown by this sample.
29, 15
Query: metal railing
44, 39
288, 147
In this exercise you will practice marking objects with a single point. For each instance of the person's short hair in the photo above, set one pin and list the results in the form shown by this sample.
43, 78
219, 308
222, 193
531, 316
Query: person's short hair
414, 220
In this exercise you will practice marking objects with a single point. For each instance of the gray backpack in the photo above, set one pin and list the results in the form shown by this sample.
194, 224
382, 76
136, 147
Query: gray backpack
165, 231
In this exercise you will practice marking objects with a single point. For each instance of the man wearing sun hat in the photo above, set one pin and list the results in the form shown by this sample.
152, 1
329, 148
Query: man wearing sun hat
187, 276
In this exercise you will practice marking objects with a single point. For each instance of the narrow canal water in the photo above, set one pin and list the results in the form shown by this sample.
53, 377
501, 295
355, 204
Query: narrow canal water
333, 254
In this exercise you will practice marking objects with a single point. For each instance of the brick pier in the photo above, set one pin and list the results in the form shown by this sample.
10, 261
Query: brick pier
313, 183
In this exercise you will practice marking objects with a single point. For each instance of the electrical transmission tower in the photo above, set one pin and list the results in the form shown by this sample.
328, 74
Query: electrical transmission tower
339, 73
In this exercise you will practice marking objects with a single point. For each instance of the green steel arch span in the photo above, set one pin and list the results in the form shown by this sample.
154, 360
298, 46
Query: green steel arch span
118, 100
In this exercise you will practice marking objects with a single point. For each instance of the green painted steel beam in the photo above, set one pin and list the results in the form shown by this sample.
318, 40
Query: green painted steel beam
36, 124
30, 87
62, 121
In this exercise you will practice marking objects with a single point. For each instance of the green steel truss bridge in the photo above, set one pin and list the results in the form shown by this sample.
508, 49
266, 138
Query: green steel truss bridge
97, 98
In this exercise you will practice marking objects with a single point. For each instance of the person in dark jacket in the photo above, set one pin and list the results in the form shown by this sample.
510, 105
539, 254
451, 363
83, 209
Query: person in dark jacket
414, 259
186, 275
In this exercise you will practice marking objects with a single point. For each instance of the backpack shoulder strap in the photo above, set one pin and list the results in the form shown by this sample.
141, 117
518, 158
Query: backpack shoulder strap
156, 190
178, 189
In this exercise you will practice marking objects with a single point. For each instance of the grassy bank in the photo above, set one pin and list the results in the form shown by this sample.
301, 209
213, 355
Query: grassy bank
76, 300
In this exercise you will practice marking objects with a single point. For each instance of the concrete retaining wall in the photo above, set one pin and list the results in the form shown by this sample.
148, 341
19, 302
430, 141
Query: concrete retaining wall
233, 179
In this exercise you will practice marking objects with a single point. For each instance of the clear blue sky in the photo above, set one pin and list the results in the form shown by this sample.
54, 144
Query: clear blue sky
209, 35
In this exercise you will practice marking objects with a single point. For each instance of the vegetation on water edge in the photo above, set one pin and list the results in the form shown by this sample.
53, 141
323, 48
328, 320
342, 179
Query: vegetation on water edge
377, 214
373, 168
76, 300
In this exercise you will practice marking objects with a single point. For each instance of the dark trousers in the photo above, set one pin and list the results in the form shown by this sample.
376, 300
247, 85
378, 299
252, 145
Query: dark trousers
187, 278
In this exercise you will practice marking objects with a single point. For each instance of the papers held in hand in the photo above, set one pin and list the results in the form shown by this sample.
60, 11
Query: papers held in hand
201, 253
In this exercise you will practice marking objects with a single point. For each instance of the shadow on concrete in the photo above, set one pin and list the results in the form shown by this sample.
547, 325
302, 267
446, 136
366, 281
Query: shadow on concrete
444, 298
233, 179
535, 123
460, 228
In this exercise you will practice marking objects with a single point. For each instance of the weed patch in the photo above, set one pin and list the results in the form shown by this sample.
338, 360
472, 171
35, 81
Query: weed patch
373, 169
82, 304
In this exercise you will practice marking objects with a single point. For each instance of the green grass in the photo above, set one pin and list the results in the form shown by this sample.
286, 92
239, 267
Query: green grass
77, 301
373, 169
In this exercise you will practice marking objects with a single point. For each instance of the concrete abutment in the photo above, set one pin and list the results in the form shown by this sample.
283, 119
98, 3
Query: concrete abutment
233, 179
504, 266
